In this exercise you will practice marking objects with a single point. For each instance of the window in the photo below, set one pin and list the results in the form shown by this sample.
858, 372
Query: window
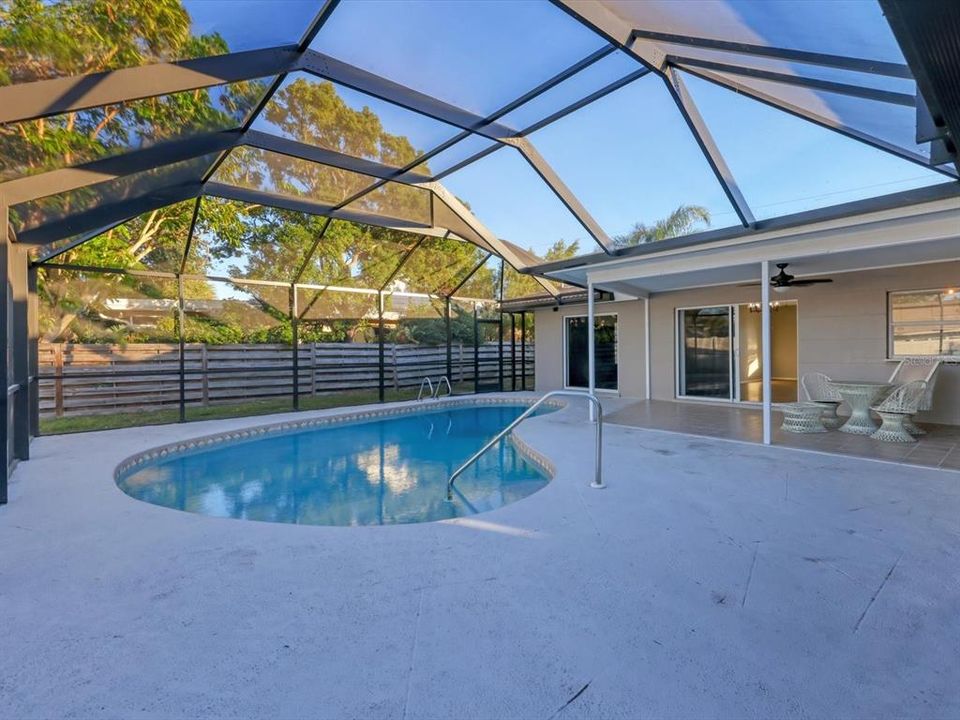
924, 322
605, 352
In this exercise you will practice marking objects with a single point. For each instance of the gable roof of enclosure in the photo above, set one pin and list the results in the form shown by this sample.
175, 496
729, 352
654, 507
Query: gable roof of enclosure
446, 108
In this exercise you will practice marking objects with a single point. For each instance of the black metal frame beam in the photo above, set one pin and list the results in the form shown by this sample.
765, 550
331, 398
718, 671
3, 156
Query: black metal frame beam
316, 25
19, 339
5, 341
563, 193
110, 214
583, 102
294, 318
840, 62
34, 187
701, 133
867, 93
33, 353
43, 98
552, 118
339, 72
486, 239
182, 349
188, 245
311, 32
313, 153
311, 207
16, 406
469, 275
927, 33
461, 211
379, 87
403, 261
816, 119
354, 77
308, 256
486, 122
52, 253
614, 29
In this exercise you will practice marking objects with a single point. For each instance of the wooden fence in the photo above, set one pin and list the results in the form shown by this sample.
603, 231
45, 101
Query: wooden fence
102, 379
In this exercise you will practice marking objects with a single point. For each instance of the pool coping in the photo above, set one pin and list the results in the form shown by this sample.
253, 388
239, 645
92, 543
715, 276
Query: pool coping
183, 447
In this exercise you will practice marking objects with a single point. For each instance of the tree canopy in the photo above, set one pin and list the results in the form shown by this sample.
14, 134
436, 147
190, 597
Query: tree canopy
40, 39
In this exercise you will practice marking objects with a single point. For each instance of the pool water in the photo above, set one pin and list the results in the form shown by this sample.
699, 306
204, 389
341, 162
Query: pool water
380, 472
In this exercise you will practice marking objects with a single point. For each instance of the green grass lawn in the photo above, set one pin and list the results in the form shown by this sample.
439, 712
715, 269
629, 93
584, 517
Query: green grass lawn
84, 423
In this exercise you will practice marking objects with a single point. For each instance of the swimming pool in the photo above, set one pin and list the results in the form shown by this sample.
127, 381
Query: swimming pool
381, 471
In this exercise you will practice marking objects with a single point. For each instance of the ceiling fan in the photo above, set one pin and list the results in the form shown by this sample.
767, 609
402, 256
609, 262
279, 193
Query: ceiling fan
783, 281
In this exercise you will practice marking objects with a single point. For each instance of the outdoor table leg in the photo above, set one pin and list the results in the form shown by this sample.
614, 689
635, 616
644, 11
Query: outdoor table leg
859, 401
859, 422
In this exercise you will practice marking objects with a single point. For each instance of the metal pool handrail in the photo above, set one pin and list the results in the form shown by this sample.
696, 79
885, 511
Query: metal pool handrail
429, 385
444, 380
597, 477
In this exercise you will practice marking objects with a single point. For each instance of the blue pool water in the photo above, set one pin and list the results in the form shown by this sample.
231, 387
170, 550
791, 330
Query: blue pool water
380, 472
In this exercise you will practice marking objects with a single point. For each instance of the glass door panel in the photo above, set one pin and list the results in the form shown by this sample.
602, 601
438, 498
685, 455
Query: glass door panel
706, 352
604, 352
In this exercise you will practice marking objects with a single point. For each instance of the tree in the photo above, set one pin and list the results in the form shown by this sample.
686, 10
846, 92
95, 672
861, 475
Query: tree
517, 285
51, 39
40, 40
264, 241
680, 222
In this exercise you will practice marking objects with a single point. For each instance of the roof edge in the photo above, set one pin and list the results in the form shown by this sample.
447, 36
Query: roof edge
916, 196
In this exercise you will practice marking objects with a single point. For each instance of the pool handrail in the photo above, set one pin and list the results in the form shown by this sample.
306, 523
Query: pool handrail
436, 393
598, 456
429, 384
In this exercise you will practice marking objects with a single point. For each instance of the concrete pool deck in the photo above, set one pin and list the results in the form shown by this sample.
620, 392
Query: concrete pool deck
710, 579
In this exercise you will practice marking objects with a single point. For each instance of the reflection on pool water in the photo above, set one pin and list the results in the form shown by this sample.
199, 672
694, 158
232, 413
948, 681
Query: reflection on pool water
380, 472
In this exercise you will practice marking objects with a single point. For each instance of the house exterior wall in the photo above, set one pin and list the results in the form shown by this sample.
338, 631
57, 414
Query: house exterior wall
630, 334
841, 330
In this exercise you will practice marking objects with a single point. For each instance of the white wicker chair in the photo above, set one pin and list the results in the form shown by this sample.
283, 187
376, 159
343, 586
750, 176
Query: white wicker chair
896, 409
817, 388
918, 368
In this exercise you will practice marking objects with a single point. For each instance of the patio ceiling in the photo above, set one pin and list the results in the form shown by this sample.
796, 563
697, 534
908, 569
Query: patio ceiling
470, 149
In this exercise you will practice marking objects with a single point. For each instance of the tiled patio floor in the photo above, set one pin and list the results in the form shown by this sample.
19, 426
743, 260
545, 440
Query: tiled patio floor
940, 448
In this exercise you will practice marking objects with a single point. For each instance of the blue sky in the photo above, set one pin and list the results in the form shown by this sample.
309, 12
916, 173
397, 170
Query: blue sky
630, 156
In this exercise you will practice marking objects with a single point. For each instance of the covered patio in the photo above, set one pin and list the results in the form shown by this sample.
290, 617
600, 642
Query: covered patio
939, 448
852, 271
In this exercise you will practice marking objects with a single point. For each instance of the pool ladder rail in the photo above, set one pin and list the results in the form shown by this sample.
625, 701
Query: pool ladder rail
597, 419
426, 381
434, 391
440, 383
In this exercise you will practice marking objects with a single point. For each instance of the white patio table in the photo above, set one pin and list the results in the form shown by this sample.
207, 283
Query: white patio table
859, 395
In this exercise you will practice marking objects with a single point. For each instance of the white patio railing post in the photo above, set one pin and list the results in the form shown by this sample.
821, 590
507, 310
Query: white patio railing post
765, 342
591, 359
646, 346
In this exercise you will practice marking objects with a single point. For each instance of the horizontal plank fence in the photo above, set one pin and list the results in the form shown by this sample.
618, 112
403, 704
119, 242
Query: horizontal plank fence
87, 379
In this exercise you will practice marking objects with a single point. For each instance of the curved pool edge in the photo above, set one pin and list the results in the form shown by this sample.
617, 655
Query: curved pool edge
334, 419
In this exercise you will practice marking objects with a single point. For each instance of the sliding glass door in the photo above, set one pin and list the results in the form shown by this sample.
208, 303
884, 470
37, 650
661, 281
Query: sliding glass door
706, 367
604, 352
